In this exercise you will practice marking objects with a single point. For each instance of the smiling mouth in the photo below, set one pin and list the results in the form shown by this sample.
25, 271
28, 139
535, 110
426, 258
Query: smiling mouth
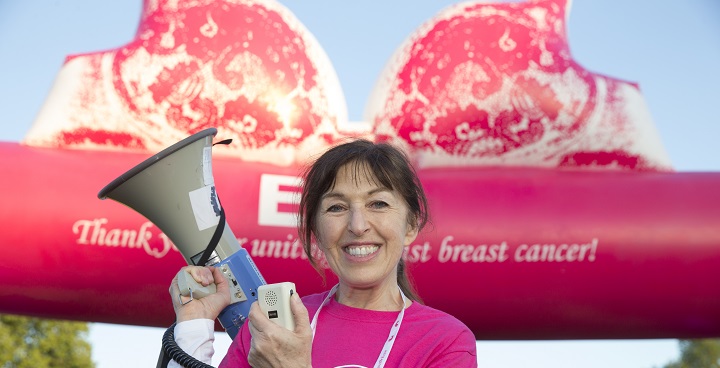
362, 251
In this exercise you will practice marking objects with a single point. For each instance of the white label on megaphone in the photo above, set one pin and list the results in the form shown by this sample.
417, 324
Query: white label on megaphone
205, 207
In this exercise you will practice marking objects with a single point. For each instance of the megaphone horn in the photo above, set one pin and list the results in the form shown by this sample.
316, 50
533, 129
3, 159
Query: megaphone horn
175, 190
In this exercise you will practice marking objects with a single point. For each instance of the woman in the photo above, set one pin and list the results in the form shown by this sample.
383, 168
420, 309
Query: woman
362, 204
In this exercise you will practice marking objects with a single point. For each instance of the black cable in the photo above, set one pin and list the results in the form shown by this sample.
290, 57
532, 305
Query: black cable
174, 352
215, 237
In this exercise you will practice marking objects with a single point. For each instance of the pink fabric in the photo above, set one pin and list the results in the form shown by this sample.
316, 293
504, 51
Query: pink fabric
347, 336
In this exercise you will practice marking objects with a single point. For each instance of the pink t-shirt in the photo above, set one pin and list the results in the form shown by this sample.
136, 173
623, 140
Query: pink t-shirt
352, 337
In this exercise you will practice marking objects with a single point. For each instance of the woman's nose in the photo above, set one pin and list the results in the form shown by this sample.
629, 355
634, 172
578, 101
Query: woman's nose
358, 223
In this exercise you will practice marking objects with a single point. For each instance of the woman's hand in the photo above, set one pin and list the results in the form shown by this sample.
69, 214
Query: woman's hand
208, 307
275, 346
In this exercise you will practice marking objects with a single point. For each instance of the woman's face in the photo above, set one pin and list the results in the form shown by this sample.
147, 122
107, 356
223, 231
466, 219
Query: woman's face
362, 229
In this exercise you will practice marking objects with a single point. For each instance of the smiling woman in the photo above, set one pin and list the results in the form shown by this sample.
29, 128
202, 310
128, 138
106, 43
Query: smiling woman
361, 206
372, 184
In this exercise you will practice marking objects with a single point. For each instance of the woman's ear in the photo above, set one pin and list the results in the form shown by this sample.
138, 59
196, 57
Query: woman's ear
412, 233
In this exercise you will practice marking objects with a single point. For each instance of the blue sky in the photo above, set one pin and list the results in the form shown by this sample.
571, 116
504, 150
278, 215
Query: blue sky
670, 48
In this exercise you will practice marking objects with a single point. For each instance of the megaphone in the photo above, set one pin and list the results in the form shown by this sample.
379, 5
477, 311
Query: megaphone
175, 190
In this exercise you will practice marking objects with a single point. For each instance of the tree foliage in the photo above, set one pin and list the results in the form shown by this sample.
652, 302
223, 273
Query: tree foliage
41, 343
704, 353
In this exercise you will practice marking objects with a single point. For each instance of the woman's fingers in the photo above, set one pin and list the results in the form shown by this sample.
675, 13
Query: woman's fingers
257, 319
215, 275
209, 306
275, 346
203, 275
300, 314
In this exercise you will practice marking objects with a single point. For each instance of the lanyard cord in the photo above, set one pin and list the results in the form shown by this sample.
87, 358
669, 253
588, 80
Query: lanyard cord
391, 337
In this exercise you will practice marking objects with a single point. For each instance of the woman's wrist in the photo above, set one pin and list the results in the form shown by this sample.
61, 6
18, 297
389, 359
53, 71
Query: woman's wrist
187, 315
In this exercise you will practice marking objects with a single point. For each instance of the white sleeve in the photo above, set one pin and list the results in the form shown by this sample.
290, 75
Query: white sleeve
195, 337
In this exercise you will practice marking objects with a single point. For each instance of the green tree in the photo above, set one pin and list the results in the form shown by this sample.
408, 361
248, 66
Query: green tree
702, 353
43, 343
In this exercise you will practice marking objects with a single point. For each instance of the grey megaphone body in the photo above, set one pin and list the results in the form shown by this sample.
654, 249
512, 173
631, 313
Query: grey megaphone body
175, 190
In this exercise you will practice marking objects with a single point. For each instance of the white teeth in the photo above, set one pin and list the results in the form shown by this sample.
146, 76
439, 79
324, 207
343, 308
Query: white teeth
361, 251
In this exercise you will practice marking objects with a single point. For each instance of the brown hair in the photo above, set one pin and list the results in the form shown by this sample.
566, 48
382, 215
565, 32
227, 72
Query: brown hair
388, 165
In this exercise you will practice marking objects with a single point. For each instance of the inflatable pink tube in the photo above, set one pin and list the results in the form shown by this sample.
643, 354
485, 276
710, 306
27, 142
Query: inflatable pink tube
515, 253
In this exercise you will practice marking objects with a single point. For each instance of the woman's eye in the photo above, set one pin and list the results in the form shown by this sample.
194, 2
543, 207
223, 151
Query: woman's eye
379, 204
335, 208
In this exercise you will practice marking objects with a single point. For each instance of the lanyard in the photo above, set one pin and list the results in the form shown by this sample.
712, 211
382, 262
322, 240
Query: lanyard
391, 337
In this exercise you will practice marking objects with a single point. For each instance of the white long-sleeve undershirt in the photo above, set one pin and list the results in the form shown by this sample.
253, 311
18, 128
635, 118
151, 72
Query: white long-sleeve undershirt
196, 338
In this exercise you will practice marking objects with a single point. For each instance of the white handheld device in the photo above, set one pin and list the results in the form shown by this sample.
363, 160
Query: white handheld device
274, 301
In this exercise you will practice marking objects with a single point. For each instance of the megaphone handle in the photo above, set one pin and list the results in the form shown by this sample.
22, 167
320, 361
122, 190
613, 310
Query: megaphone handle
189, 287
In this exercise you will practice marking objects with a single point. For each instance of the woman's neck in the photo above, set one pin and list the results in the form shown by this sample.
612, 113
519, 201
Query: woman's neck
384, 298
